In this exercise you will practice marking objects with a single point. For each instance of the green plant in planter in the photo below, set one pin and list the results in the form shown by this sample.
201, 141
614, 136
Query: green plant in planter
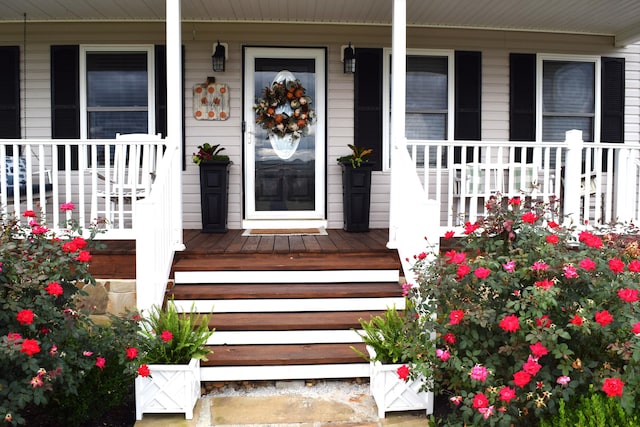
400, 337
209, 153
171, 337
358, 156
530, 313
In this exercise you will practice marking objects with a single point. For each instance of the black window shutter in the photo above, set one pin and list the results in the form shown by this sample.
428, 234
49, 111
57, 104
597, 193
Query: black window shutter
468, 100
368, 102
65, 98
161, 89
522, 100
612, 119
10, 92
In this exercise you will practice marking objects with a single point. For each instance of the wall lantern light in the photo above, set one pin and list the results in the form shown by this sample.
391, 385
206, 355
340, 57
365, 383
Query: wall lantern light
349, 58
219, 57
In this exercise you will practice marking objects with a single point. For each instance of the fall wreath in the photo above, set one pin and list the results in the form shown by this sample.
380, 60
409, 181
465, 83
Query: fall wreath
285, 109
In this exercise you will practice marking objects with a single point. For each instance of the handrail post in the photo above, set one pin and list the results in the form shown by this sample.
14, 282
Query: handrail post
572, 175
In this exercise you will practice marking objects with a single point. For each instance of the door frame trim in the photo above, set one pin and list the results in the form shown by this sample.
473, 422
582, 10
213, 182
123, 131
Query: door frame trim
319, 54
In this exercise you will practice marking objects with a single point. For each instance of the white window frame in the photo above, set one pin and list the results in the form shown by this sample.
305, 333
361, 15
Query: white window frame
541, 57
151, 98
386, 96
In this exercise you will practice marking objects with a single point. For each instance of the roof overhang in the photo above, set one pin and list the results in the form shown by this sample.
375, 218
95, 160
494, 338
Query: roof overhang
618, 19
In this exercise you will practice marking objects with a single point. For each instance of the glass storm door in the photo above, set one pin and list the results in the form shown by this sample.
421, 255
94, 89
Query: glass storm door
284, 164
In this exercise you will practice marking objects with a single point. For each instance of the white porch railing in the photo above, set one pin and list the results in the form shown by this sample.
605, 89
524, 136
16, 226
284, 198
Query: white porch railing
105, 179
595, 183
159, 232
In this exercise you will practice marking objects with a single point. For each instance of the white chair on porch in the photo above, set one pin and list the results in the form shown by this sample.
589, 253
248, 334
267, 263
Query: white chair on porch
127, 179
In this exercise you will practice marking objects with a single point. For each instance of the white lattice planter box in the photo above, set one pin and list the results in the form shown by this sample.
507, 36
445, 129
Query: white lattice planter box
169, 389
394, 394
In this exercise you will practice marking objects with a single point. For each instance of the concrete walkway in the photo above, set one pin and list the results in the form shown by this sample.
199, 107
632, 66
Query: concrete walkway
289, 404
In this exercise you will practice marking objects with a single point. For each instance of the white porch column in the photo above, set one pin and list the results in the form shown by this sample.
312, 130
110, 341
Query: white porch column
174, 108
572, 175
398, 105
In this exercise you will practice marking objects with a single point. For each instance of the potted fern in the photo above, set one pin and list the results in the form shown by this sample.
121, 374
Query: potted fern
356, 188
214, 183
396, 342
172, 346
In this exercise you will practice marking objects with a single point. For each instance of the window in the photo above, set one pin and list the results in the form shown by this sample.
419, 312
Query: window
569, 92
429, 103
116, 91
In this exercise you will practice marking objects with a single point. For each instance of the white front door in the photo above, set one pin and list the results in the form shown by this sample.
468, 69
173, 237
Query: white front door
284, 165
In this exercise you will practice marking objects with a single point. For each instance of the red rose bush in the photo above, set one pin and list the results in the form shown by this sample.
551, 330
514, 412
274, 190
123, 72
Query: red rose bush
529, 312
53, 355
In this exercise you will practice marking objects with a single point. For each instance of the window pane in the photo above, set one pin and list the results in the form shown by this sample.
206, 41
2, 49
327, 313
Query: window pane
426, 83
555, 128
425, 126
568, 87
105, 125
117, 79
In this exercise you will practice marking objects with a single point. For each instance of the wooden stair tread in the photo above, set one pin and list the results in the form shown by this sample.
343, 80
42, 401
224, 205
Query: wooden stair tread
296, 262
288, 290
284, 354
290, 321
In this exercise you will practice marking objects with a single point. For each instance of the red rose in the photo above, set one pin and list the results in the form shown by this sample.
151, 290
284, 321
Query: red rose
29, 214
132, 353
628, 295
603, 318
635, 329
521, 379
613, 387
482, 273
576, 320
529, 217
403, 372
587, 264
30, 347
455, 317
84, 256
166, 336
552, 239
144, 371
480, 401
449, 234
510, 323
100, 362
54, 288
463, 270
538, 350
25, 317
449, 338
616, 265
507, 393
531, 367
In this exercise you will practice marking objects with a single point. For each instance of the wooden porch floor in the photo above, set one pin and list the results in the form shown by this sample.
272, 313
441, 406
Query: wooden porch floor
233, 251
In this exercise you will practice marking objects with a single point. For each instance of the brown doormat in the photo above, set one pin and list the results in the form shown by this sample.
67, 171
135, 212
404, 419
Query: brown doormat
285, 232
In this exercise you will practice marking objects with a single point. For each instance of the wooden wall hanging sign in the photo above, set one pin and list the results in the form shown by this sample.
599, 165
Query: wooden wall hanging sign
211, 101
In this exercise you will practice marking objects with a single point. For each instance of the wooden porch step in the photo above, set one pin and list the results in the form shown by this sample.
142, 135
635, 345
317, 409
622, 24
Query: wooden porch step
292, 261
286, 290
330, 320
284, 354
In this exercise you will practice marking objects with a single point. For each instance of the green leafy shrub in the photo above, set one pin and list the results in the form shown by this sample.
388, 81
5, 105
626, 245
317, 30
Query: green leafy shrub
530, 313
593, 410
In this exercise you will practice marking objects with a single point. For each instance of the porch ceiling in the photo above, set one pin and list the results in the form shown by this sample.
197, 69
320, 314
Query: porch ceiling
619, 18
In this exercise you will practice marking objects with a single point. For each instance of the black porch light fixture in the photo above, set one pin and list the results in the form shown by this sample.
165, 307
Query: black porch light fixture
349, 59
219, 57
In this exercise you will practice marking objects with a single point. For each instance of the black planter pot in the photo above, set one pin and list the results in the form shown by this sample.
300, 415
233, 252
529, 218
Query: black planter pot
214, 183
356, 196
